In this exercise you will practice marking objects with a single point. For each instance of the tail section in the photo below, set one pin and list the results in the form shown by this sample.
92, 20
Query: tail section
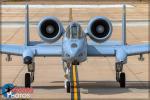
27, 38
70, 15
124, 42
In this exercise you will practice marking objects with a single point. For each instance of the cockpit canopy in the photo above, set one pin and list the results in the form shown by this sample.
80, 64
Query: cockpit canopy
74, 31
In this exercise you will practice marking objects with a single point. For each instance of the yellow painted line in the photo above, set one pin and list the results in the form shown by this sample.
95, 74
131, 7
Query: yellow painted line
75, 84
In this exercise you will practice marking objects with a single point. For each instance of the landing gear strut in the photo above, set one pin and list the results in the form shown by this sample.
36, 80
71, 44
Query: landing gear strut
67, 83
29, 77
120, 76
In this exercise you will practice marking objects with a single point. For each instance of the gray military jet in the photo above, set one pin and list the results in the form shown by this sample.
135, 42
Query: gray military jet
74, 48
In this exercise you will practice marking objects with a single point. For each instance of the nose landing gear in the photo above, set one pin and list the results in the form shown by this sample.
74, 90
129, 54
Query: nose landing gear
71, 82
68, 86
66, 67
67, 83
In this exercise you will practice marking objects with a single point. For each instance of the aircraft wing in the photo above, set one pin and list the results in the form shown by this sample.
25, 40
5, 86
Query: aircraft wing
33, 43
39, 50
93, 50
47, 50
137, 49
11, 49
110, 50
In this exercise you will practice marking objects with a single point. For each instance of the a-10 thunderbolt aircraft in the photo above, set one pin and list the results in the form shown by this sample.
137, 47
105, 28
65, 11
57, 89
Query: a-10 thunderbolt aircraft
74, 47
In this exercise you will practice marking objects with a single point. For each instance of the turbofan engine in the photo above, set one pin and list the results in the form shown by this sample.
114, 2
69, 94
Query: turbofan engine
99, 29
50, 29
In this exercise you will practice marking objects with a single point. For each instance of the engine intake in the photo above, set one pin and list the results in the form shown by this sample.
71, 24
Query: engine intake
50, 29
99, 29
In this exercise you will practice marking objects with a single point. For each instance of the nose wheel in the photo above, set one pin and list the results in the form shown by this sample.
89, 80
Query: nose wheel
67, 83
67, 86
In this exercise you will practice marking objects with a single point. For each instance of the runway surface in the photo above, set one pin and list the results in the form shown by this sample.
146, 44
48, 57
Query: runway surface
96, 75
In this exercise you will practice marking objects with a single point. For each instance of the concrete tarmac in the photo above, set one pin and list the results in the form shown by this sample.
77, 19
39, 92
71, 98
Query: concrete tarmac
96, 75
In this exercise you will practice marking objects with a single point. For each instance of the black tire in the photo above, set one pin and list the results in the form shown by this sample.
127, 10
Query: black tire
32, 76
27, 80
117, 76
68, 87
122, 80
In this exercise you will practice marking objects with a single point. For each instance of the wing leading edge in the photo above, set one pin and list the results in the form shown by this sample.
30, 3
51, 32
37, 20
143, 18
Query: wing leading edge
39, 50
93, 50
137, 49
108, 50
11, 49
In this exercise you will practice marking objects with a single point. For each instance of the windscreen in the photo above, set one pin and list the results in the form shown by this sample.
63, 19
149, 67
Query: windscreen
74, 31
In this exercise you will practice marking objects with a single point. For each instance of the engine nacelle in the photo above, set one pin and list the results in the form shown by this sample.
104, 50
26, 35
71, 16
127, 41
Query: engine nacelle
50, 29
99, 29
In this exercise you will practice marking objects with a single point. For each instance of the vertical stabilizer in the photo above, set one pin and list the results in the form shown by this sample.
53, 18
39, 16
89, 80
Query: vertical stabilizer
124, 25
70, 15
27, 40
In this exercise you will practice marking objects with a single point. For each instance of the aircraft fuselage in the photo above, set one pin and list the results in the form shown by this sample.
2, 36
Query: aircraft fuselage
74, 44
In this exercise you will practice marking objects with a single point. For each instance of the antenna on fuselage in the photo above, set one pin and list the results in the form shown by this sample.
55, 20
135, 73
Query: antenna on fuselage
124, 42
27, 33
70, 15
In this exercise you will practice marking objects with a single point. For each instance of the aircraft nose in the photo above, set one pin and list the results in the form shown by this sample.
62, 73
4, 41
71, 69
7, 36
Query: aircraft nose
74, 50
73, 54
